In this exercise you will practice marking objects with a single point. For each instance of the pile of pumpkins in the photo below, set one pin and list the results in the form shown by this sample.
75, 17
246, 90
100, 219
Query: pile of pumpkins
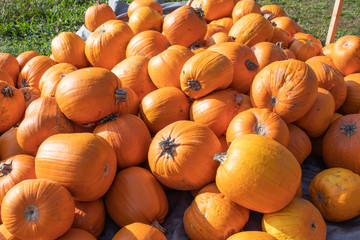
221, 98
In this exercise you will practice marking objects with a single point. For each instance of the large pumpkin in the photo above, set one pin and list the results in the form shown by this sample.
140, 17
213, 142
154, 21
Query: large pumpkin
9, 145
180, 155
288, 88
268, 189
82, 162
139, 231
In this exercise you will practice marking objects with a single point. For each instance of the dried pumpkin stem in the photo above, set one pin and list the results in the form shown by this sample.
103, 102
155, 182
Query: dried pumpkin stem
273, 101
199, 12
267, 16
31, 212
120, 95
168, 147
7, 91
260, 129
251, 66
24, 83
194, 84
348, 129
5, 169
110, 118
157, 225
220, 157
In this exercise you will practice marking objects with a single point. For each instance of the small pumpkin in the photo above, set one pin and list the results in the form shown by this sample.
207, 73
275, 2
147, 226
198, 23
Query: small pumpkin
212, 29
217, 38
144, 3
226, 22
145, 18
280, 38
272, 11
24, 57
299, 143
214, 9
9, 145
139, 231
267, 52
98, 14
352, 100
287, 24
9, 64
245, 7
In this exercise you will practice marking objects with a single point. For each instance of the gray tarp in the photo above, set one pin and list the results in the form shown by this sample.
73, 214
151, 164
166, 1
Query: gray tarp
179, 200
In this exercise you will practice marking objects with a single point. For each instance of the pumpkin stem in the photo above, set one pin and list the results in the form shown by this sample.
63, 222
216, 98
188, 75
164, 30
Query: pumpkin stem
251, 66
220, 157
267, 16
167, 147
109, 118
24, 83
196, 45
27, 96
7, 91
157, 225
199, 12
120, 95
194, 84
63, 75
279, 44
31, 212
260, 129
274, 24
5, 169
233, 38
190, 99
346, 44
273, 101
348, 129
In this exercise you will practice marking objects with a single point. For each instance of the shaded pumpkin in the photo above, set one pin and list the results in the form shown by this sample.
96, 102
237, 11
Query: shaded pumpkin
4, 76
251, 235
299, 143
324, 59
212, 29
217, 38
223, 142
98, 14
226, 22
290, 54
5, 234
280, 38
30, 94
9, 64
214, 9
132, 103
145, 18
272, 11
287, 24
139, 231
24, 57
267, 52
245, 7
352, 100
9, 145
197, 47
144, 3
76, 234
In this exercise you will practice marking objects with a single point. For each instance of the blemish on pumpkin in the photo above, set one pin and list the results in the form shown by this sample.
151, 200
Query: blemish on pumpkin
106, 169
312, 225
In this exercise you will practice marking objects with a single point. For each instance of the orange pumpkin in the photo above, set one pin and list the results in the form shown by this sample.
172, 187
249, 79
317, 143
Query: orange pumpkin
132, 103
307, 36
136, 196
212, 29
217, 38
267, 52
139, 231
287, 24
326, 50
245, 7
9, 64
272, 11
179, 150
276, 179
4, 76
324, 59
5, 234
280, 38
37, 204
290, 54
299, 143
106, 46
303, 49
24, 57
98, 14
76, 234
251, 235
9, 145
144, 3
87, 161
352, 100
145, 18
30, 94
226, 22
214, 9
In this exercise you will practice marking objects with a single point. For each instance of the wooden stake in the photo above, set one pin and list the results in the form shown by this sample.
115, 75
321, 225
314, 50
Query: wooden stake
334, 21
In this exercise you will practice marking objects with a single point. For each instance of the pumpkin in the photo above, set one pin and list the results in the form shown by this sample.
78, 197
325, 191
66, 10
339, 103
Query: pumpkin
145, 18
212, 29
324, 59
336, 192
251, 235
98, 14
299, 143
326, 50
24, 57
132, 103
305, 46
37, 209
76, 234
276, 179
5, 234
341, 143
136, 196
213, 216
9, 145
51, 78
272, 11
346, 54
307, 36
258, 121
217, 109
30, 94
4, 76
267, 52
280, 38
178, 152
43, 119
210, 188
148, 43
162, 107
139, 231
128, 136
68, 47
290, 54
287, 24
9, 64
226, 22
322, 110
90, 216
217, 38
82, 162
245, 7
223, 142
352, 100
12, 105
184, 26
214, 9
164, 69
251, 29
244, 62
298, 220
197, 47
106, 46
330, 79
205, 72
90, 94
144, 3
133, 74
288, 88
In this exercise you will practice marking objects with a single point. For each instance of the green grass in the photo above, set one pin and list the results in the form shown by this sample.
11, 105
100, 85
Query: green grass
31, 24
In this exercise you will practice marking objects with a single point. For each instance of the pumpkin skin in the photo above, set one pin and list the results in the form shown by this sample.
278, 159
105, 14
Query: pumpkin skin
326, 50
287, 24
307, 36
98, 14
288, 88
299, 143
51, 78
76, 234
144, 3
86, 165
179, 150
244, 62
43, 119
136, 196
132, 103
324, 59
184, 26
272, 11
217, 109
12, 105
280, 38
212, 29
336, 193
303, 49
217, 38
145, 18
4, 76
9, 145
245, 7
267, 52
139, 231
47, 202
251, 29
290, 54
304, 221
346, 54
30, 94
162, 107
129, 137
9, 64
5, 234
214, 9
258, 121
341, 143
90, 216
106, 46
213, 216
226, 22
68, 47
277, 177
133, 74
164, 69
205, 72
32, 72
24, 57
352, 100
89, 94
251, 235
331, 79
